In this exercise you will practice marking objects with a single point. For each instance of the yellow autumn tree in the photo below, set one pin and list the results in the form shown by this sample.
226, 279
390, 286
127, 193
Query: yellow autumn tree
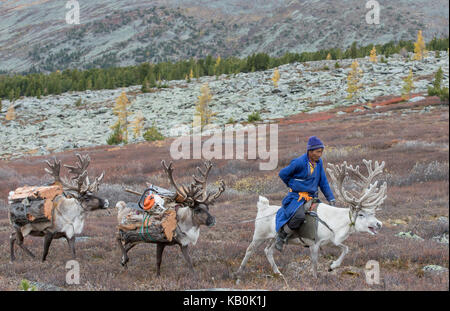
137, 124
419, 47
216, 66
191, 74
408, 86
276, 77
373, 55
122, 113
11, 113
329, 56
353, 80
202, 109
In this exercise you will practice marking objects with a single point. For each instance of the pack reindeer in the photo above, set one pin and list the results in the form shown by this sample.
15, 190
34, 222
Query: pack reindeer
341, 222
193, 213
69, 208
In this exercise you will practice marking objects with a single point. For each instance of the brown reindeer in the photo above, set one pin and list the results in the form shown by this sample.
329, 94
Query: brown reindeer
69, 208
193, 213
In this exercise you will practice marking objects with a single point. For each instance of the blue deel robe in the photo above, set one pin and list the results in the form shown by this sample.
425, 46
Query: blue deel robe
297, 176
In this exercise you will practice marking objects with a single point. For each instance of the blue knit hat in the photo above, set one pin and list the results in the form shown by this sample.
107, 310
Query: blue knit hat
314, 143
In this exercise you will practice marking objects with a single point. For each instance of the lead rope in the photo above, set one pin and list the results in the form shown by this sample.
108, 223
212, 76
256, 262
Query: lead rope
352, 222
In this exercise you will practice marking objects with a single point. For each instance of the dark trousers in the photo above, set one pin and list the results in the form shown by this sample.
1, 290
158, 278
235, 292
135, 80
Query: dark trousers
297, 220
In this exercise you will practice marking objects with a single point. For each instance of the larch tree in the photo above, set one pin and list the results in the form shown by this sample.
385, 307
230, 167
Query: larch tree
216, 66
329, 56
419, 47
353, 80
122, 113
276, 77
202, 109
137, 124
11, 113
373, 55
408, 86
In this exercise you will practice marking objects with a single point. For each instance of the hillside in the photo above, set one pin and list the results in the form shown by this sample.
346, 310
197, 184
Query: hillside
56, 122
118, 33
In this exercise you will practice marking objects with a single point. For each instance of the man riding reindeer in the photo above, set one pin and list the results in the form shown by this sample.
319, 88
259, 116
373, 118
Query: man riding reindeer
303, 176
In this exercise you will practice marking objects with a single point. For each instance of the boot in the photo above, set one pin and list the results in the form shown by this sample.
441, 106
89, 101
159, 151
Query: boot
282, 237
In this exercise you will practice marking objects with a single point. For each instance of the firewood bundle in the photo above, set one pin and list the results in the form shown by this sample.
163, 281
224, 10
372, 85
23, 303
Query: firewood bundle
32, 204
142, 226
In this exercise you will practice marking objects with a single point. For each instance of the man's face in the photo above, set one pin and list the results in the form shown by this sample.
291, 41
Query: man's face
314, 155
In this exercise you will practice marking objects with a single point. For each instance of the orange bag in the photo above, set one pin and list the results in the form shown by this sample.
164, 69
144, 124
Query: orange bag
149, 202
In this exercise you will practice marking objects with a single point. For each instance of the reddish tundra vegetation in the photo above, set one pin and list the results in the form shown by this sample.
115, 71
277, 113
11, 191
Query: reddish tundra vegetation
412, 138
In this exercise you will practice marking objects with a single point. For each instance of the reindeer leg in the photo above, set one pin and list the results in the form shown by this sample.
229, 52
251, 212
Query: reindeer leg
18, 235
47, 241
314, 257
250, 250
71, 243
125, 258
184, 250
338, 261
269, 254
159, 251
12, 239
130, 246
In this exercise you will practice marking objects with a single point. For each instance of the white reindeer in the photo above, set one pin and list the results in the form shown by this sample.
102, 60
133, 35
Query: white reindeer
360, 217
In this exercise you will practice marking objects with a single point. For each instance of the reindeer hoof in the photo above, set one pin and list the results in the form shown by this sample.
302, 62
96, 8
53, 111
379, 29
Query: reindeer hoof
124, 263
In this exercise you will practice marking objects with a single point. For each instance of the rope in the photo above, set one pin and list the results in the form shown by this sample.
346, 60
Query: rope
141, 231
245, 221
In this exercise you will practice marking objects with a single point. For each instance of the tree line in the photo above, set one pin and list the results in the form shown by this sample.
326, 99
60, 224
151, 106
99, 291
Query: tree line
12, 86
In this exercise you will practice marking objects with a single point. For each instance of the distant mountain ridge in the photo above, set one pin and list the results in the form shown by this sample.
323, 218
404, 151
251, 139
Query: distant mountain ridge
123, 32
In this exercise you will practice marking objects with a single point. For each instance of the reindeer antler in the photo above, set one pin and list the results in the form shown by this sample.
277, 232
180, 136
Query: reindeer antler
54, 171
201, 181
169, 172
80, 182
196, 192
217, 194
371, 195
83, 163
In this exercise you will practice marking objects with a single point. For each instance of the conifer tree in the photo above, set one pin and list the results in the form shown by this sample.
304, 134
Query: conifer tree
216, 66
11, 114
329, 56
276, 77
353, 80
121, 111
408, 86
202, 108
419, 47
373, 55
138, 124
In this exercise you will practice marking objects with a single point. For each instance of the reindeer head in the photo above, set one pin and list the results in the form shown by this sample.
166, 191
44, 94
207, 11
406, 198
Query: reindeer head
80, 187
363, 204
195, 196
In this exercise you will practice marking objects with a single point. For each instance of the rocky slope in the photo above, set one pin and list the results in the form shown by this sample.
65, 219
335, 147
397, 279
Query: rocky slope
55, 123
122, 32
